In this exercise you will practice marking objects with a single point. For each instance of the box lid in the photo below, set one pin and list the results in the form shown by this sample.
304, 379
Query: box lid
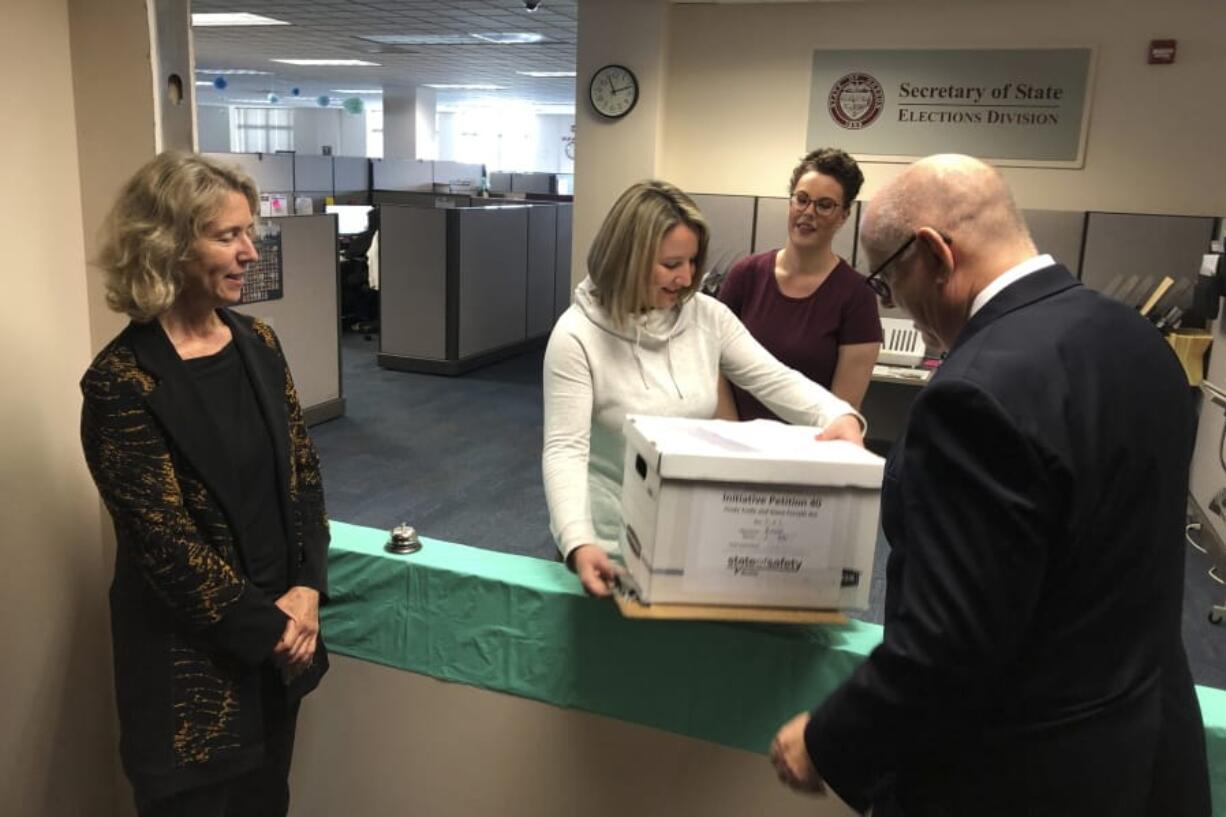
760, 451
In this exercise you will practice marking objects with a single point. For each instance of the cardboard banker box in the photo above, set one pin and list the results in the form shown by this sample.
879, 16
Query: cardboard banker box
756, 514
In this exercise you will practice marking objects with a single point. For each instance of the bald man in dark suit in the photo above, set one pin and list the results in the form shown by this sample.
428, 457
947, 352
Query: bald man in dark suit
1032, 662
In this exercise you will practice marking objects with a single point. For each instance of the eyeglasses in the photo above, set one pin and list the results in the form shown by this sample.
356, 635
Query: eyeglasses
877, 280
823, 206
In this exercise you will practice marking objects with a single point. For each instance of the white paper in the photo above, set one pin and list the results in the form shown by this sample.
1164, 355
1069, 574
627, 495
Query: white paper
749, 538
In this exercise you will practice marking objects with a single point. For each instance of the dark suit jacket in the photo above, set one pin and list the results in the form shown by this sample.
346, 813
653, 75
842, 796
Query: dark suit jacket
192, 638
1032, 661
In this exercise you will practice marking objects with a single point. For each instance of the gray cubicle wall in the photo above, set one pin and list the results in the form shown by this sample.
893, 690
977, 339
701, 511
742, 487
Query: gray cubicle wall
1127, 244
272, 172
500, 182
460, 175
402, 174
542, 270
313, 180
491, 251
350, 176
1059, 233
731, 219
313, 175
413, 282
462, 287
307, 318
561, 276
534, 183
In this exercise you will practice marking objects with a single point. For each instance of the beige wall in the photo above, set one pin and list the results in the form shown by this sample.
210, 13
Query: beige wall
57, 738
114, 86
738, 90
736, 81
373, 740
611, 155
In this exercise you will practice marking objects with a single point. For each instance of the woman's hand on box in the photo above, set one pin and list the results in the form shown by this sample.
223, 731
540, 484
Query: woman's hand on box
594, 568
844, 427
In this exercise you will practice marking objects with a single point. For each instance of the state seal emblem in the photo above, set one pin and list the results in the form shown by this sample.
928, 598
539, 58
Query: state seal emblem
855, 100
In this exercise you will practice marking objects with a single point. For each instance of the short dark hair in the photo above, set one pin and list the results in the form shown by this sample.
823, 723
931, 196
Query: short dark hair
837, 165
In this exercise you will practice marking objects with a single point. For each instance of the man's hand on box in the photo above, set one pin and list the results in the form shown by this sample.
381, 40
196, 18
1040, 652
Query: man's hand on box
594, 568
791, 758
844, 427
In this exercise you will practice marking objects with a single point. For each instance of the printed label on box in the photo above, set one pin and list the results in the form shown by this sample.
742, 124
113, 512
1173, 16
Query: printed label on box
748, 537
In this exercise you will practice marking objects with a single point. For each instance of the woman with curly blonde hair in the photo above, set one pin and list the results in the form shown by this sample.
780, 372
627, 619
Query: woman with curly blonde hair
195, 438
640, 339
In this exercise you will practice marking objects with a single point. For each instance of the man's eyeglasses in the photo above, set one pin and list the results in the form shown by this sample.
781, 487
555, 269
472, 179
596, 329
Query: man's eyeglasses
823, 206
877, 280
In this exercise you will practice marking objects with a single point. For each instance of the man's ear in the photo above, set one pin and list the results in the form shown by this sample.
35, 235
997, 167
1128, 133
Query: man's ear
942, 252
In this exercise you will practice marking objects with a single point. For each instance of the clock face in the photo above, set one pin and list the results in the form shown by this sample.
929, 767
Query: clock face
613, 91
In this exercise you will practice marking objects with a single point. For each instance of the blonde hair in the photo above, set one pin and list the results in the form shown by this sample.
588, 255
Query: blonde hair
623, 254
158, 216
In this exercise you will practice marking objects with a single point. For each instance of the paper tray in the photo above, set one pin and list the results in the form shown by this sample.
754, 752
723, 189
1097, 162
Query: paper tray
631, 607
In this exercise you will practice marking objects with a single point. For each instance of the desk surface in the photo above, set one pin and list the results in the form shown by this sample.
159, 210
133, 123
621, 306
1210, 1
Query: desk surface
523, 626
900, 374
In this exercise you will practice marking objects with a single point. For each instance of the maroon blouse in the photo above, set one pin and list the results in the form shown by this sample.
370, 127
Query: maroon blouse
804, 333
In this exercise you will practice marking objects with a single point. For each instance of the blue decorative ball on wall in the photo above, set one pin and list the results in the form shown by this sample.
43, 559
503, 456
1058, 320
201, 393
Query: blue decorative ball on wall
354, 105
296, 91
323, 101
273, 99
220, 83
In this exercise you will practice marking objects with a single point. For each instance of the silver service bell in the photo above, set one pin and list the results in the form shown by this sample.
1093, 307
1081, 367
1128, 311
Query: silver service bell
404, 539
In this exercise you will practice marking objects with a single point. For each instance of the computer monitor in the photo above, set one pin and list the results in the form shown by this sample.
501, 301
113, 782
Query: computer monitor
351, 219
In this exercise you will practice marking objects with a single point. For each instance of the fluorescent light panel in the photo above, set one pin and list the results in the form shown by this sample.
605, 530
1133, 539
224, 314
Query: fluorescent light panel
510, 37
236, 18
546, 73
467, 87
475, 38
233, 71
357, 90
328, 62
418, 39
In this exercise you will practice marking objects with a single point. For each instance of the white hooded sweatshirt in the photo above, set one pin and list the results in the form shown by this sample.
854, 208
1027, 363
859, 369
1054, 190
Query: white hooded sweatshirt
665, 362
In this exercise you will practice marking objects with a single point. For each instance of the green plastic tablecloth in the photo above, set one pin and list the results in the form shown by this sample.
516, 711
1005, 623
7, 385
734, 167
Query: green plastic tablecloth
523, 626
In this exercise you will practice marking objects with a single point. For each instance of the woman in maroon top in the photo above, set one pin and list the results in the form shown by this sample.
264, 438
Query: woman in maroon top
806, 305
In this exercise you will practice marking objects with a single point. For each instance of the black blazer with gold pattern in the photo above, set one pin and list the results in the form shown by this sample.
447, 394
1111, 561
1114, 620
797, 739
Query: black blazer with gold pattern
192, 637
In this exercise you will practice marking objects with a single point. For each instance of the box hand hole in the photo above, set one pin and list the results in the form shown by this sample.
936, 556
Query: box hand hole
640, 466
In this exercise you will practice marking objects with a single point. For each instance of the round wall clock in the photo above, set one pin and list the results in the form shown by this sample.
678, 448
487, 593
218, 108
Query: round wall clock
614, 91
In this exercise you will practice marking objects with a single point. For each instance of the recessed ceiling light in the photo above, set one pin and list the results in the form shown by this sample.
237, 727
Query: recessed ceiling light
418, 39
237, 18
510, 37
203, 84
233, 71
328, 62
466, 87
546, 73
357, 90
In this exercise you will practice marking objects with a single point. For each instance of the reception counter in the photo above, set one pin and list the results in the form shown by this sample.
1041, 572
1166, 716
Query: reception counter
657, 701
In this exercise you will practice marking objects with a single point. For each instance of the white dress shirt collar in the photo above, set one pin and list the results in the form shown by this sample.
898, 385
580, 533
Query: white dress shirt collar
1010, 276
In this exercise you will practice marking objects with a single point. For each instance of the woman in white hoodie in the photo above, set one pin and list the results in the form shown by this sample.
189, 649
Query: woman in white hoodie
640, 339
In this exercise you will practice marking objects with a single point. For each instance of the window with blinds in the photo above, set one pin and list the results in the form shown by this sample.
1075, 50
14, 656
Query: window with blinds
261, 130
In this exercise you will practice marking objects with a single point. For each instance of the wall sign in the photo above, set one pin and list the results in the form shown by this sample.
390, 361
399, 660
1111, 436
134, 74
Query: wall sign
1010, 106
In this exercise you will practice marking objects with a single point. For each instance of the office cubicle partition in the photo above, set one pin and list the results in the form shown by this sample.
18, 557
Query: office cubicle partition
1096, 247
731, 219
351, 178
1124, 244
401, 174
562, 273
462, 287
306, 317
